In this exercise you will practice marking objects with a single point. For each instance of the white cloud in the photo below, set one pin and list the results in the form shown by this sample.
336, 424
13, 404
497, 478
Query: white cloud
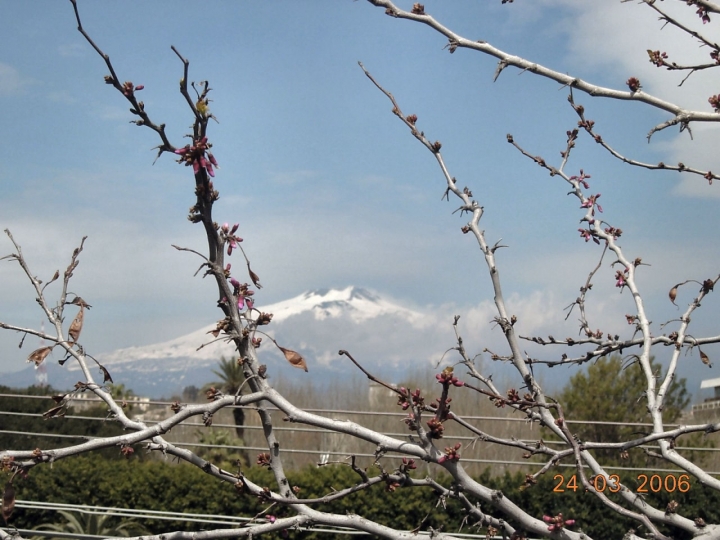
62, 97
72, 50
290, 178
699, 152
11, 81
612, 39
113, 113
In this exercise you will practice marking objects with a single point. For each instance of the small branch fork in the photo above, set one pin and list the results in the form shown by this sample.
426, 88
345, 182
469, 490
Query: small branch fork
702, 11
588, 126
681, 116
711, 7
128, 90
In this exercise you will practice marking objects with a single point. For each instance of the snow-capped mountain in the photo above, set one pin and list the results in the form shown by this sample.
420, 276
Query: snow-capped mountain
316, 324
358, 304
199, 347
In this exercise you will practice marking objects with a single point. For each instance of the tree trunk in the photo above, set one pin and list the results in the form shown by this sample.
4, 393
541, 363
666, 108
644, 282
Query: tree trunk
239, 416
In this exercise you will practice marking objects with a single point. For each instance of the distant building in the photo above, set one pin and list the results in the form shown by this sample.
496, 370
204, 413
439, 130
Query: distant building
86, 400
381, 398
709, 409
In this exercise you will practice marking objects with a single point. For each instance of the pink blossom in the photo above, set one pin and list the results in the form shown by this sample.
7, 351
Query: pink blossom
587, 235
581, 179
195, 155
591, 202
621, 278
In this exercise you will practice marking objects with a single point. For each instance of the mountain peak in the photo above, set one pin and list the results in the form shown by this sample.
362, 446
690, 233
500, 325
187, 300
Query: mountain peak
316, 323
355, 302
347, 294
351, 303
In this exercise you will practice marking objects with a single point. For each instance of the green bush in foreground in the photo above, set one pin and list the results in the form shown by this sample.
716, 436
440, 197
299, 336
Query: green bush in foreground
157, 485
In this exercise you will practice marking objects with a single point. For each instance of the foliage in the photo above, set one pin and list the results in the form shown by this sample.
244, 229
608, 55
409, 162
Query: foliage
56, 425
231, 375
611, 392
92, 524
119, 392
223, 457
231, 379
154, 485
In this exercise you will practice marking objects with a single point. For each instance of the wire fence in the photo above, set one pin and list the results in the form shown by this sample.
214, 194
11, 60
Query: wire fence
304, 446
301, 446
204, 519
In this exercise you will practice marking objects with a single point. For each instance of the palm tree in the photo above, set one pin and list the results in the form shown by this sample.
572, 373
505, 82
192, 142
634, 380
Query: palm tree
94, 524
218, 440
231, 378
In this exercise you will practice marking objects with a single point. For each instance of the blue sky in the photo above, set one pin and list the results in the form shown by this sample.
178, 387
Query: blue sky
328, 186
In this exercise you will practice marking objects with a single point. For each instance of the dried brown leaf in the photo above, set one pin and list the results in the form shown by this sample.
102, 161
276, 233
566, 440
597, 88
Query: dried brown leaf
76, 326
80, 302
55, 411
295, 359
254, 277
58, 398
39, 355
705, 358
673, 295
8, 502
106, 374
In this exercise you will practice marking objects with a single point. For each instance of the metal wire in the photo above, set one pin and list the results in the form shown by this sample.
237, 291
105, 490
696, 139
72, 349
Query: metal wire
318, 430
233, 521
365, 413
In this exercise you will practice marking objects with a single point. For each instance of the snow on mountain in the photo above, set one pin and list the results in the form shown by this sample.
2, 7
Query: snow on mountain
356, 304
316, 324
391, 340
